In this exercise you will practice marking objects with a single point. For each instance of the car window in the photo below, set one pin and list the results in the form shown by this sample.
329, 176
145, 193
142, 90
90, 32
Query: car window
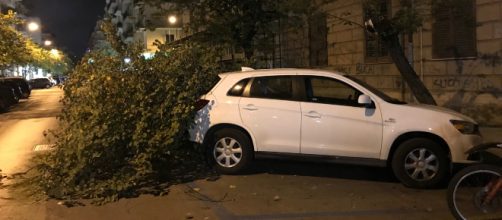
331, 91
238, 88
273, 87
377, 92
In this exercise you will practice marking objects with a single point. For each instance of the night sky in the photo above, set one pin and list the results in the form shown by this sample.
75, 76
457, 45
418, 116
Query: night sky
69, 21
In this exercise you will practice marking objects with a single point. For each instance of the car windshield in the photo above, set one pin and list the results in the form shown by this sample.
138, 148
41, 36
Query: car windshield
375, 91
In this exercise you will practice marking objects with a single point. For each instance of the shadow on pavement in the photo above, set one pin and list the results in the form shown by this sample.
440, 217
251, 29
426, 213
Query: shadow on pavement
342, 171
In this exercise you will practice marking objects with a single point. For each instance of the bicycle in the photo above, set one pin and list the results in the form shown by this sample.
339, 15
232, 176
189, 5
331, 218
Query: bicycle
476, 191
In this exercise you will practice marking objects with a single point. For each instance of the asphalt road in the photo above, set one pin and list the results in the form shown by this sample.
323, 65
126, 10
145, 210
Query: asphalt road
22, 128
272, 190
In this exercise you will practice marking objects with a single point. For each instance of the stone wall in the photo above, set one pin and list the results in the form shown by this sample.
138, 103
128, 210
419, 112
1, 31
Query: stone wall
471, 86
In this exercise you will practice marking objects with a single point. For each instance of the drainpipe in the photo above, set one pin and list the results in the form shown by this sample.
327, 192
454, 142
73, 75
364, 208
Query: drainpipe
421, 54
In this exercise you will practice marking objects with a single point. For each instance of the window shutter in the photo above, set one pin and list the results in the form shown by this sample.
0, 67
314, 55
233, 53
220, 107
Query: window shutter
454, 33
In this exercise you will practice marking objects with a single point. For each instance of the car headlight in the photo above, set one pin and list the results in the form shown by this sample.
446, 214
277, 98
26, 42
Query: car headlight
465, 127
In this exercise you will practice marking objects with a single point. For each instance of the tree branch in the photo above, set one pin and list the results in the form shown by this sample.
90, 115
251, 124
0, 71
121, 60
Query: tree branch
346, 21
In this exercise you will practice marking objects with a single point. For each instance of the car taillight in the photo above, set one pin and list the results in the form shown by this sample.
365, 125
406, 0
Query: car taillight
201, 103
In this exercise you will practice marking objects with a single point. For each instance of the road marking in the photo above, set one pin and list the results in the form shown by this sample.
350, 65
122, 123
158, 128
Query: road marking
44, 147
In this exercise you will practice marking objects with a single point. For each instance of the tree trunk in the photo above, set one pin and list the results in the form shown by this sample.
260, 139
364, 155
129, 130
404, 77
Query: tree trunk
417, 87
390, 37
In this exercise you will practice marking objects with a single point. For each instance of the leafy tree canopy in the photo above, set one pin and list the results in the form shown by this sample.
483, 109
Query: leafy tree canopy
15, 49
243, 24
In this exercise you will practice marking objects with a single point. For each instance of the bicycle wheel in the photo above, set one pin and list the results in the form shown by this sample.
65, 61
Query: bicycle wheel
467, 192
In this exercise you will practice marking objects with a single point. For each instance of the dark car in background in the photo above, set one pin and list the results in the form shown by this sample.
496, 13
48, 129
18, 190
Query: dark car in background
22, 83
18, 91
7, 97
40, 83
4, 105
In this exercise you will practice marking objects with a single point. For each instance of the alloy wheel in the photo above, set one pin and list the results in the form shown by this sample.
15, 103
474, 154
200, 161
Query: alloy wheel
227, 152
421, 164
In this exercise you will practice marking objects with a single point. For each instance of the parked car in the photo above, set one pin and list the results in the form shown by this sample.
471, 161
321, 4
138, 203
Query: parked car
325, 116
22, 83
40, 83
7, 98
4, 105
18, 91
53, 81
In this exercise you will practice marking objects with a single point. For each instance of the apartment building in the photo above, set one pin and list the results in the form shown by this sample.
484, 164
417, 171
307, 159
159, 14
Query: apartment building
138, 22
8, 4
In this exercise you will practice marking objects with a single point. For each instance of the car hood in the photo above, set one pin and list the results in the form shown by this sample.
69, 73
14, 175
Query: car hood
443, 110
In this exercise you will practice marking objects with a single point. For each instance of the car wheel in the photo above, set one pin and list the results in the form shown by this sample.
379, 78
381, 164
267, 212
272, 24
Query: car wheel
420, 163
47, 86
230, 151
15, 99
3, 106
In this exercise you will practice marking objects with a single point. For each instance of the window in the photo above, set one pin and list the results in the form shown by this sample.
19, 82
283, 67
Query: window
318, 40
238, 88
454, 30
331, 91
169, 38
375, 51
275, 87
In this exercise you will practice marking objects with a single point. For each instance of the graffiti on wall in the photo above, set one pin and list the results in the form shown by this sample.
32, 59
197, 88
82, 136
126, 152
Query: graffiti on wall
359, 68
344, 69
365, 69
466, 83
478, 85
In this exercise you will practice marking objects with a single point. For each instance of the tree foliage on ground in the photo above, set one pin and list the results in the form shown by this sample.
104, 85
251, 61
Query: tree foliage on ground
16, 49
123, 126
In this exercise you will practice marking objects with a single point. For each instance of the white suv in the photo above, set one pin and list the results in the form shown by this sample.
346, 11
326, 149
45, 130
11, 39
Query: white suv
330, 117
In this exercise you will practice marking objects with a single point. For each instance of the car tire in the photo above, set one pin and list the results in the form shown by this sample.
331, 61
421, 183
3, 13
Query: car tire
15, 99
47, 86
230, 151
420, 163
4, 106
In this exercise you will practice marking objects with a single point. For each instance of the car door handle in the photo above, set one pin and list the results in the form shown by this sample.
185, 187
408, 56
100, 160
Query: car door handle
250, 107
313, 114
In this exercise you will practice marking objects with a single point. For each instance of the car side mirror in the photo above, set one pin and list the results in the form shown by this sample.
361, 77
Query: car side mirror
366, 101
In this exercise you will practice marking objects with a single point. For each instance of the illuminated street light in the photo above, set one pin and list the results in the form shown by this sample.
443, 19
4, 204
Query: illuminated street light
47, 43
172, 19
33, 26
55, 54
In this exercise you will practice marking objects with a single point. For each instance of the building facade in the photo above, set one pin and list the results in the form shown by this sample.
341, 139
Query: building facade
458, 55
8, 4
458, 59
137, 22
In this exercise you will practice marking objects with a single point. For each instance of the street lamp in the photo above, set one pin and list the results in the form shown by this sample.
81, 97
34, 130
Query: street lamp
47, 43
172, 19
33, 26
55, 54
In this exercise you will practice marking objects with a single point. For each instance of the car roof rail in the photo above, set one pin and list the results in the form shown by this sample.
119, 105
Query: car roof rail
246, 69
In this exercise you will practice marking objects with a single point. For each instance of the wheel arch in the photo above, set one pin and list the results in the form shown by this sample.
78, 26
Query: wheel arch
410, 135
214, 128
